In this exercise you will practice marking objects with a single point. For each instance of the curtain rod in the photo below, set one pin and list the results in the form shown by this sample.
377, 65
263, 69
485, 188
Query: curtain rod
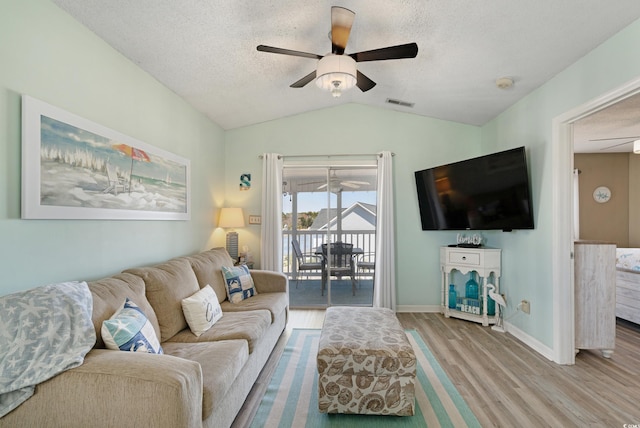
328, 156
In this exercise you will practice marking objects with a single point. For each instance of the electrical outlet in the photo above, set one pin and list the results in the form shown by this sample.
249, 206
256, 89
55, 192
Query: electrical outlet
526, 307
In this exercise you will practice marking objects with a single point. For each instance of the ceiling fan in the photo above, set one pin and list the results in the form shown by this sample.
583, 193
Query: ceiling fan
335, 183
337, 72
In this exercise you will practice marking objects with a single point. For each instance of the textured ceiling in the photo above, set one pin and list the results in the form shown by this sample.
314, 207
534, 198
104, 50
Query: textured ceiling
205, 51
611, 130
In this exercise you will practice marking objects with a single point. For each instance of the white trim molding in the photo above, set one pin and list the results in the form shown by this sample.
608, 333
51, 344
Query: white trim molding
531, 342
562, 170
419, 308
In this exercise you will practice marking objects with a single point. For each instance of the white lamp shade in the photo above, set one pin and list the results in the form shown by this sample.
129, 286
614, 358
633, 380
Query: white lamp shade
231, 217
336, 73
636, 147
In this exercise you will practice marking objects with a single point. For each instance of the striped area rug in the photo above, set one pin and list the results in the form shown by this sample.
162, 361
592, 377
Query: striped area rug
291, 399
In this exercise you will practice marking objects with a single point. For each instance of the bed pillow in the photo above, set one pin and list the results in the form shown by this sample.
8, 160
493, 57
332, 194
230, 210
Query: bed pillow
130, 330
239, 283
202, 310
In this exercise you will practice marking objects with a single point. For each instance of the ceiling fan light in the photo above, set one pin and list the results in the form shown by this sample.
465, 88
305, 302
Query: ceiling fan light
636, 147
336, 73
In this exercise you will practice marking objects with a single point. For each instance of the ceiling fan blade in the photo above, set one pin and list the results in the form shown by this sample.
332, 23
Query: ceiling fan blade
306, 79
349, 184
362, 183
409, 50
617, 145
341, 22
363, 82
271, 49
322, 187
308, 183
614, 138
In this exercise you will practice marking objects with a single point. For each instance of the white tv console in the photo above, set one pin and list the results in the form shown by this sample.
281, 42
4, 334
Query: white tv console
484, 261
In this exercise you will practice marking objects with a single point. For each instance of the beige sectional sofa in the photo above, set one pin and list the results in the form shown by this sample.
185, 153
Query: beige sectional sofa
198, 381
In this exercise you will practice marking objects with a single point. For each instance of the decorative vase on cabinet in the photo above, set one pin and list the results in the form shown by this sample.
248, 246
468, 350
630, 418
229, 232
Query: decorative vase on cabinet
453, 296
474, 305
471, 287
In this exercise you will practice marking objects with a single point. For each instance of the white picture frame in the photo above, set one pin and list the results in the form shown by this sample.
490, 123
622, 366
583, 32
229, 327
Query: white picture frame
73, 168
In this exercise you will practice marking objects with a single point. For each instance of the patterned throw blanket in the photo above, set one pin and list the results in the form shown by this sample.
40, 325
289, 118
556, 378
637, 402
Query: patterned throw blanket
43, 332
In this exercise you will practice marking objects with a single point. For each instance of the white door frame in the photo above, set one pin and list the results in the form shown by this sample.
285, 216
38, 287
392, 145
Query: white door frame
562, 240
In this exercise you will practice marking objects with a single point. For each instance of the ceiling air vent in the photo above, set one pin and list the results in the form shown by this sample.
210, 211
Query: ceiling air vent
400, 103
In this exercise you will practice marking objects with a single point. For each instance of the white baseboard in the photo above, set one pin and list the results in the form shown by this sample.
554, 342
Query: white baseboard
523, 337
418, 308
531, 342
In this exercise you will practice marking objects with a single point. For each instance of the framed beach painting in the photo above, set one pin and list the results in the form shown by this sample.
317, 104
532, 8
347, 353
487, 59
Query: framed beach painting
73, 168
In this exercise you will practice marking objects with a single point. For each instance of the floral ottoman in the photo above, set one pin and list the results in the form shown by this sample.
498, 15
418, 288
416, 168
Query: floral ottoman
366, 364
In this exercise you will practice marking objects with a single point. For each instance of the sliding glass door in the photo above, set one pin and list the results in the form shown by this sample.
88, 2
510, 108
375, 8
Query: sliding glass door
329, 232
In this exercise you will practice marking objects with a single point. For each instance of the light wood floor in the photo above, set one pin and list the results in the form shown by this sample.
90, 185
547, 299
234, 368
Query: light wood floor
505, 383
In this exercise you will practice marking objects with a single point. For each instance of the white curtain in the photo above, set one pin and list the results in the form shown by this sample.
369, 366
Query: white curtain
384, 290
271, 242
576, 204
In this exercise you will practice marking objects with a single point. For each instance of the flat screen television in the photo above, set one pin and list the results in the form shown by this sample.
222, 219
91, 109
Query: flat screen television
489, 192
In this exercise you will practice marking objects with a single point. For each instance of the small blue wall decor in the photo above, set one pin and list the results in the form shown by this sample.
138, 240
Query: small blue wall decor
245, 181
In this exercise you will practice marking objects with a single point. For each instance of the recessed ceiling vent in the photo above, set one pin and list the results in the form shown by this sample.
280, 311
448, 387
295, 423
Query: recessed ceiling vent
400, 103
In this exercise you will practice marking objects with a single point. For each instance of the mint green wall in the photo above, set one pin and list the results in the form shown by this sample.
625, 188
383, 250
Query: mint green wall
48, 55
422, 142
527, 255
418, 143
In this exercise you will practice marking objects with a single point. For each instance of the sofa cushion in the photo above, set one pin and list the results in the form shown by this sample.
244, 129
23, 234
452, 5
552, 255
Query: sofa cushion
130, 330
166, 285
221, 364
202, 310
208, 267
239, 283
250, 326
275, 303
108, 295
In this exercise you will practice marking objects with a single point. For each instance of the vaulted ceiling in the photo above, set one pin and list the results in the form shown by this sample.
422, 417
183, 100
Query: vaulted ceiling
205, 51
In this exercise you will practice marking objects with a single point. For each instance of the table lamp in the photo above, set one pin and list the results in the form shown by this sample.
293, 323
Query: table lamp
231, 218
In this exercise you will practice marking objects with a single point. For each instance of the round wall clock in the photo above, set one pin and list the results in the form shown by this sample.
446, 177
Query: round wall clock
602, 194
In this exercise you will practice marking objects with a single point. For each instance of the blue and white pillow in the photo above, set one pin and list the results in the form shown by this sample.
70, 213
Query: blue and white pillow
130, 330
239, 283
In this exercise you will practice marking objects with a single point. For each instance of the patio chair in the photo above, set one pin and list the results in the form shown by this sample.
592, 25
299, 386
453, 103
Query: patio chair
339, 262
306, 262
115, 183
366, 263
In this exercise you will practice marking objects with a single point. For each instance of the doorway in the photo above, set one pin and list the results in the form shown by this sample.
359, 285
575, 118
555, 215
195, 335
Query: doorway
562, 248
329, 210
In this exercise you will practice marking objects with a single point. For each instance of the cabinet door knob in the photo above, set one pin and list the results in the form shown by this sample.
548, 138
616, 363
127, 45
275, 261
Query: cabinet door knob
464, 257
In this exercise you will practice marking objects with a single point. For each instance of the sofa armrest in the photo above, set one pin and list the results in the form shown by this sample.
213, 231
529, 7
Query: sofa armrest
115, 388
267, 281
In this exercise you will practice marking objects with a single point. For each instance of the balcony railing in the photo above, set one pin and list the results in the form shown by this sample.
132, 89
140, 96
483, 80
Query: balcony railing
310, 240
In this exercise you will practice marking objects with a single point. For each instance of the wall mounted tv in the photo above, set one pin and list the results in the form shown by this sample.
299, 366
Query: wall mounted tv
489, 192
